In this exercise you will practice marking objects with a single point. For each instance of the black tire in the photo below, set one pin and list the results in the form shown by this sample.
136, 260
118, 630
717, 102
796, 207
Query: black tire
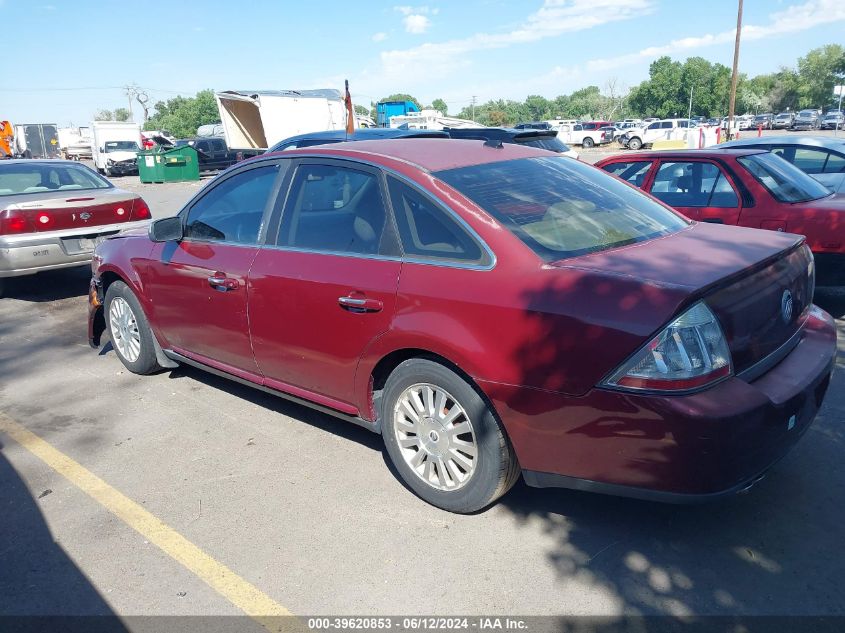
635, 143
146, 362
496, 468
2, 287
588, 142
107, 172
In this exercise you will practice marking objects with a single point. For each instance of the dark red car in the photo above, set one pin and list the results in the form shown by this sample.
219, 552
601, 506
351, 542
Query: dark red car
747, 187
489, 309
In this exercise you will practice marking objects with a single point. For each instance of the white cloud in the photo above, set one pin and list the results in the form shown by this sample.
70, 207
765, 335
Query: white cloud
795, 18
416, 23
424, 10
379, 37
553, 18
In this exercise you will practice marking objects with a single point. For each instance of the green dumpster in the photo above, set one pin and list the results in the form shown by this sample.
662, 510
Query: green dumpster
149, 169
174, 164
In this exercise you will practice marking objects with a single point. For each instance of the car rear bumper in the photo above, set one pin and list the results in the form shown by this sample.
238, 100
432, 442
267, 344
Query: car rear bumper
35, 252
671, 448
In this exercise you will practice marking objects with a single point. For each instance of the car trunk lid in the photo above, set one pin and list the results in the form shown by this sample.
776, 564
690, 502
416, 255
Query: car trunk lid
758, 283
72, 210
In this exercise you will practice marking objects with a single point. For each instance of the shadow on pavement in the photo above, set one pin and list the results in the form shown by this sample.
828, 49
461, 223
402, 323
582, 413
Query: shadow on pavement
51, 285
37, 578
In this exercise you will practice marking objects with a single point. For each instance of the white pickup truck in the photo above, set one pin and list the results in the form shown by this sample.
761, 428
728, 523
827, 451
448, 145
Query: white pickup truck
577, 134
662, 130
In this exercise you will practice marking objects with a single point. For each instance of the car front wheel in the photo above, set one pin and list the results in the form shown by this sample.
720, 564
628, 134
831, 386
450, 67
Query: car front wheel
443, 439
635, 144
129, 330
588, 143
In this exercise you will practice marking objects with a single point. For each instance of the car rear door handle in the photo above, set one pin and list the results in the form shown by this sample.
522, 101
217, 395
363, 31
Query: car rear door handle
360, 304
219, 281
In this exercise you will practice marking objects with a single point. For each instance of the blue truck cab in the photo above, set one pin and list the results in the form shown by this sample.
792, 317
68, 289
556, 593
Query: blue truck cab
387, 109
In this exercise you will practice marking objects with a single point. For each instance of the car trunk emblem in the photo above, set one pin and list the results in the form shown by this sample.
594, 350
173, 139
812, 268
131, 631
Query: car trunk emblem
786, 306
85, 216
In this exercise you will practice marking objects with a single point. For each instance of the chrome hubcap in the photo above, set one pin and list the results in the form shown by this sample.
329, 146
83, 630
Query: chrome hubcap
124, 329
435, 436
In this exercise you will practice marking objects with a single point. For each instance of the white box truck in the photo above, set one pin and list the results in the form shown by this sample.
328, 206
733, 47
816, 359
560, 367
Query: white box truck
260, 119
115, 147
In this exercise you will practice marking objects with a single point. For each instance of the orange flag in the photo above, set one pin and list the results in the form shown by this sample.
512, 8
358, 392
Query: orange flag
350, 112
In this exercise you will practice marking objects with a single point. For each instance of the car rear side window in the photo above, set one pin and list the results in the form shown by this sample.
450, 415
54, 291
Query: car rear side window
693, 184
783, 180
562, 208
428, 231
232, 211
632, 171
336, 209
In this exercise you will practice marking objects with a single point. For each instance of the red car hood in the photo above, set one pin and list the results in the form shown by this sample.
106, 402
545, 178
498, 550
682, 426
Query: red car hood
695, 258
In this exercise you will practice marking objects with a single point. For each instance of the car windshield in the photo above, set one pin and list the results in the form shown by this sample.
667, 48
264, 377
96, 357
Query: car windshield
25, 178
784, 181
551, 143
562, 208
121, 146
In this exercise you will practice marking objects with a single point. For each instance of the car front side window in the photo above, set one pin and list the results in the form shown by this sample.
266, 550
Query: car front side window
233, 210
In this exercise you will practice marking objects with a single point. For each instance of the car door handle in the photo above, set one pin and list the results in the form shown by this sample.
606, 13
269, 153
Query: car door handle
360, 304
222, 283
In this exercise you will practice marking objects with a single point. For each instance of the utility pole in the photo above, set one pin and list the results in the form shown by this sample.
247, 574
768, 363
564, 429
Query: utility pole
130, 94
474, 97
689, 114
734, 74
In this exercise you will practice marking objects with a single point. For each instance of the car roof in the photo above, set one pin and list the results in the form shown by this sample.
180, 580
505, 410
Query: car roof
363, 134
502, 132
813, 141
683, 153
425, 154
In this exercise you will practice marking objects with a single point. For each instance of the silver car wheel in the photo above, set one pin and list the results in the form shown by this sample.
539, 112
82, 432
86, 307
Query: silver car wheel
435, 436
124, 329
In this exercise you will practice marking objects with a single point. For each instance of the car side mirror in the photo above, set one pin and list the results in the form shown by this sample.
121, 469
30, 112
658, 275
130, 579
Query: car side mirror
166, 230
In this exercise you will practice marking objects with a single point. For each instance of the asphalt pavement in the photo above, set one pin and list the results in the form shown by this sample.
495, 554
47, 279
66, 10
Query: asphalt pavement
135, 495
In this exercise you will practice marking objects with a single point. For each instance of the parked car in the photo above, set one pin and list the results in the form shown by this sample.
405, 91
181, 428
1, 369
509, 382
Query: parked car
745, 122
807, 120
833, 121
744, 187
362, 134
579, 134
542, 139
783, 121
53, 213
822, 158
764, 121
596, 125
483, 309
212, 153
115, 146
637, 138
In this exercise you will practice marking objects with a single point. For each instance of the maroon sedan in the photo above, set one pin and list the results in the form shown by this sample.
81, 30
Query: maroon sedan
746, 187
489, 309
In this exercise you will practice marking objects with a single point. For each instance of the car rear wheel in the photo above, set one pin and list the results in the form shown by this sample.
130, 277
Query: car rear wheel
635, 144
588, 142
443, 439
129, 330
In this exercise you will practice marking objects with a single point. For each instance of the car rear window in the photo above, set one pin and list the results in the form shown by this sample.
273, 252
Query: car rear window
783, 180
34, 178
562, 208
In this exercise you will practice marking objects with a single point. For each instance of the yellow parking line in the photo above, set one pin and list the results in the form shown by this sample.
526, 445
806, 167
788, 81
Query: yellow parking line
244, 595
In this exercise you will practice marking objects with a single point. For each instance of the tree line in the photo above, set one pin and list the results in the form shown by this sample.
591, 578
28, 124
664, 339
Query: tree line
665, 94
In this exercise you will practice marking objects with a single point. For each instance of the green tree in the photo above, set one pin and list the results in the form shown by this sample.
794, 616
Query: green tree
439, 104
104, 115
658, 95
181, 116
819, 71
359, 109
122, 114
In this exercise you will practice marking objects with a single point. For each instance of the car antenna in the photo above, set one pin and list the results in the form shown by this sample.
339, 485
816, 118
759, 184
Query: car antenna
494, 142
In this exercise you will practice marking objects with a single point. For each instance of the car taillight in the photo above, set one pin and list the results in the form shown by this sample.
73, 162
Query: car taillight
140, 210
690, 353
14, 224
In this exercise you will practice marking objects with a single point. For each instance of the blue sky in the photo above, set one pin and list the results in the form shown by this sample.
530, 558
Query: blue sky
70, 57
